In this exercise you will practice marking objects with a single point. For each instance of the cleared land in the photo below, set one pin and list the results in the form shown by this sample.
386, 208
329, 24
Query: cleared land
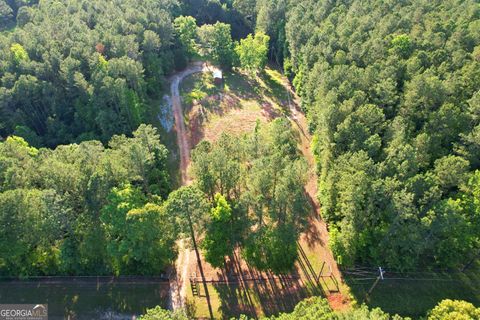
232, 107
235, 106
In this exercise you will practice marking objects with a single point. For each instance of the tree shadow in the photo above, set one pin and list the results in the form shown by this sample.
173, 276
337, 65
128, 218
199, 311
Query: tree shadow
243, 289
309, 272
243, 86
274, 89
231, 287
311, 234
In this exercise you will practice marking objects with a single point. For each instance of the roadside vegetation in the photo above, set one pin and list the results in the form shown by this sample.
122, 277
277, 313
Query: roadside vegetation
317, 308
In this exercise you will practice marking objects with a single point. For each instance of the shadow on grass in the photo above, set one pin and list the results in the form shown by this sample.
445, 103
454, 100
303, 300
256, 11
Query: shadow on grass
253, 293
243, 86
274, 89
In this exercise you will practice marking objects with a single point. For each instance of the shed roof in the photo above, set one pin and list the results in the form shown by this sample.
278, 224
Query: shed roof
217, 74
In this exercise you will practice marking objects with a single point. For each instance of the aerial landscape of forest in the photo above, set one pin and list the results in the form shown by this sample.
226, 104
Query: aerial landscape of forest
240, 159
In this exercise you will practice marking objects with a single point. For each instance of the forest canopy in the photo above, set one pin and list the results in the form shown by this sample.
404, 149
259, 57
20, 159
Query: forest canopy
392, 93
85, 208
79, 70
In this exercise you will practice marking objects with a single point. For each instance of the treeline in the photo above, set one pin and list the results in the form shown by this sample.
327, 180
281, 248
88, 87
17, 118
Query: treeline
78, 70
214, 43
85, 209
317, 308
392, 93
232, 12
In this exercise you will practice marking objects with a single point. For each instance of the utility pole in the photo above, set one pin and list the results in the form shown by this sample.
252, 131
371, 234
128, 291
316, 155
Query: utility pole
380, 277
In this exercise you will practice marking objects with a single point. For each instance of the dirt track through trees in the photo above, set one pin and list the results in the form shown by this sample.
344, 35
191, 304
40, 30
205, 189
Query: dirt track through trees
179, 283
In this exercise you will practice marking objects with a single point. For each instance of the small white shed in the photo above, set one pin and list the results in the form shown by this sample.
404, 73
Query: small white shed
217, 76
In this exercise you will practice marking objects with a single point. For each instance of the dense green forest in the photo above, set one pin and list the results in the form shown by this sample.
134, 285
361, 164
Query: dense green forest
85, 208
87, 76
391, 90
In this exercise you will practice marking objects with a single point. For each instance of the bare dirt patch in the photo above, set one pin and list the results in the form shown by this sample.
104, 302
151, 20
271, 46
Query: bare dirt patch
338, 302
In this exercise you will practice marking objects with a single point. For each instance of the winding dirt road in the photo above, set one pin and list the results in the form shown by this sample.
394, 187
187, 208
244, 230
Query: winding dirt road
182, 141
179, 283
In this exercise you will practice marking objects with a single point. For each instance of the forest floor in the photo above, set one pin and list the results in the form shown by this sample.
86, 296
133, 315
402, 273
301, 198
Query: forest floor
235, 107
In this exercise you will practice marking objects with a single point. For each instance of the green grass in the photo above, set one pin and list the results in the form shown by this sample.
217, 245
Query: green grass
201, 306
241, 85
266, 88
197, 87
273, 83
256, 300
414, 297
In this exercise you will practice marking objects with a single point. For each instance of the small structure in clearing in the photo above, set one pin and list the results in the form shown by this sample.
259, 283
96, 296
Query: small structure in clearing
217, 77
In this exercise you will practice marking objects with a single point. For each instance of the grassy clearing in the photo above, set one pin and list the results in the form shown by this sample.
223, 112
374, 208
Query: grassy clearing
414, 297
233, 107
272, 82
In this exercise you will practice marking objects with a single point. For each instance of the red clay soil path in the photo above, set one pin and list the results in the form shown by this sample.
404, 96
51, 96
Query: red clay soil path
182, 137
179, 284
316, 238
